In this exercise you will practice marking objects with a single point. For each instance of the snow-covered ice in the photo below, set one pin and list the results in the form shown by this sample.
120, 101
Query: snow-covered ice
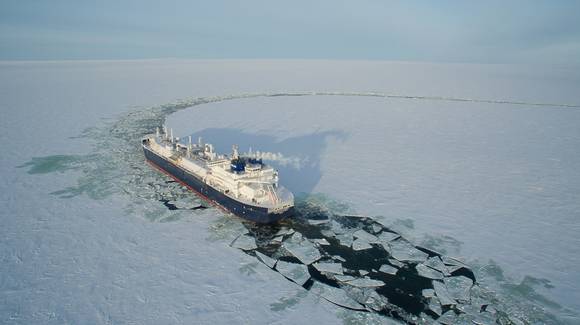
83, 243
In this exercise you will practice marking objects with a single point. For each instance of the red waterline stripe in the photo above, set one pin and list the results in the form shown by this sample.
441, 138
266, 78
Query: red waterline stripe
210, 201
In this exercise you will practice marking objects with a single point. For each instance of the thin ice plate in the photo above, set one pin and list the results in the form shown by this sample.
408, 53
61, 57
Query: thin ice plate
428, 272
298, 273
270, 262
436, 263
388, 269
324, 267
365, 236
360, 244
304, 251
365, 283
245, 242
442, 293
403, 251
335, 296
459, 287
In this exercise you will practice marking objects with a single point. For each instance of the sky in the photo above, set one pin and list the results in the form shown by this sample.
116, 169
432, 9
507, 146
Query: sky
493, 31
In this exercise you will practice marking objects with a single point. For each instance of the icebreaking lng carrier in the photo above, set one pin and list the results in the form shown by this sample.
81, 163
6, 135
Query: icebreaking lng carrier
244, 186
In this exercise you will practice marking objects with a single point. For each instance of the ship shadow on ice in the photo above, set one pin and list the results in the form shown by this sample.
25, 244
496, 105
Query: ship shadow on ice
298, 164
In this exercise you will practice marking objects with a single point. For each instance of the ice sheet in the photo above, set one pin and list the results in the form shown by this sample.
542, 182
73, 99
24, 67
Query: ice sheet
449, 169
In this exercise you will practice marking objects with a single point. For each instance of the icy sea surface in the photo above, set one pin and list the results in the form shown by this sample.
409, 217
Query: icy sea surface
476, 162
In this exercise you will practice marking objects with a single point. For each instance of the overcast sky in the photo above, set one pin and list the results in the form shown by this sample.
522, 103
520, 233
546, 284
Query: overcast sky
487, 31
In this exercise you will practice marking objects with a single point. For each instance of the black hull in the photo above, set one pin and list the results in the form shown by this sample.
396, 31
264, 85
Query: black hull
242, 210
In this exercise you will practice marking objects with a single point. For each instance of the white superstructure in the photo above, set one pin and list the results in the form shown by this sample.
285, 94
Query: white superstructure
246, 180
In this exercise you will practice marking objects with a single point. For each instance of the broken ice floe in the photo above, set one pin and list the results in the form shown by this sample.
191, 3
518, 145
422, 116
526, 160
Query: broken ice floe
352, 264
365, 282
344, 278
428, 272
303, 249
318, 221
377, 228
298, 273
270, 262
435, 305
437, 264
396, 263
321, 241
428, 293
345, 239
387, 236
359, 245
374, 301
324, 267
365, 236
442, 293
459, 287
285, 231
404, 251
245, 242
278, 239
339, 258
363, 240
387, 269
449, 318
335, 296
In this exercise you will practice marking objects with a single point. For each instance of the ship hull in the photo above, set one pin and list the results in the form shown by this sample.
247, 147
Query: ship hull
240, 209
